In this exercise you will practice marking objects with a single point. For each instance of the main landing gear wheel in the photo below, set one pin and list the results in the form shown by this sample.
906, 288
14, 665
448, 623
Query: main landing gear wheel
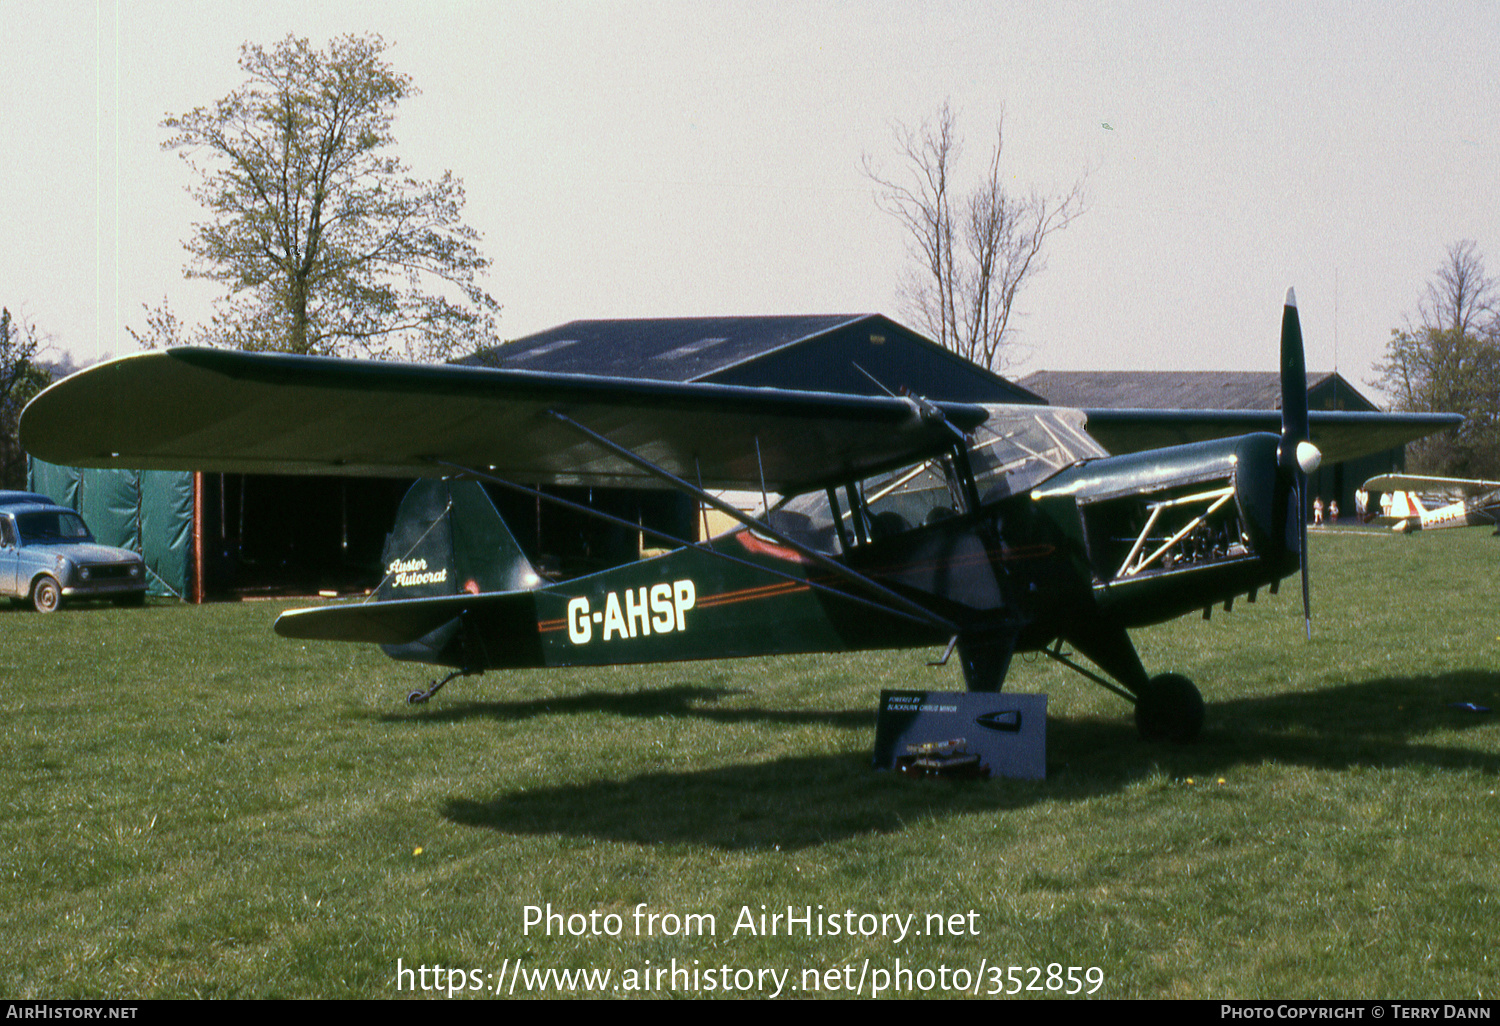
1170, 709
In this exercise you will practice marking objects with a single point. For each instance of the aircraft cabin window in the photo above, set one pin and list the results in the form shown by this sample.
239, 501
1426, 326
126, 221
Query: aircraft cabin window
1016, 449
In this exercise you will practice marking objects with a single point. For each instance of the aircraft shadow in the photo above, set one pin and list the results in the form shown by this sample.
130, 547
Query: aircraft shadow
797, 802
686, 700
784, 804
1374, 723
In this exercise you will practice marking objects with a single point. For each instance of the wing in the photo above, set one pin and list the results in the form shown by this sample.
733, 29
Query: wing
221, 410
1419, 483
1339, 436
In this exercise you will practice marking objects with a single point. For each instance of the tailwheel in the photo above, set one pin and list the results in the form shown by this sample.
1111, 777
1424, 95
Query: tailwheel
418, 697
1169, 709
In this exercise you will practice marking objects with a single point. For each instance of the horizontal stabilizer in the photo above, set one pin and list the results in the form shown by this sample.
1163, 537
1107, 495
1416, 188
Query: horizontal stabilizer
406, 621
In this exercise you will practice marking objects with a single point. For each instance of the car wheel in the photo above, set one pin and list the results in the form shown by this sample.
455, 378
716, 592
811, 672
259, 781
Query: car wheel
46, 595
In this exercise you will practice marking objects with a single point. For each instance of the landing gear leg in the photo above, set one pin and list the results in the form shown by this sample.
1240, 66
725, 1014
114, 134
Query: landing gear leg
1168, 706
985, 658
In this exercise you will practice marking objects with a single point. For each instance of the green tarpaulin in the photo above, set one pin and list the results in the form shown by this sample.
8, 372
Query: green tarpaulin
146, 511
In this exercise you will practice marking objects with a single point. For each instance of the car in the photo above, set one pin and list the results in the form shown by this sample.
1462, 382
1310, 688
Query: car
48, 556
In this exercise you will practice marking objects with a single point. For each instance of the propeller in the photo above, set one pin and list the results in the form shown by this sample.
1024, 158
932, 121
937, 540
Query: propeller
1296, 454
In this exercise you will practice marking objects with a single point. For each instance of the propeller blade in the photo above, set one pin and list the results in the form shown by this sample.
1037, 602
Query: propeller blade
1297, 453
1302, 557
1294, 427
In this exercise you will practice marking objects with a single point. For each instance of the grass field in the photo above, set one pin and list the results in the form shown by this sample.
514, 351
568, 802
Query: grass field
195, 807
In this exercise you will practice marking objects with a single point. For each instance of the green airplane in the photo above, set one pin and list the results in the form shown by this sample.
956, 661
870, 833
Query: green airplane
901, 523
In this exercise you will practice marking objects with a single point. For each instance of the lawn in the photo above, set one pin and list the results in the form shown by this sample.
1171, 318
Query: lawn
199, 808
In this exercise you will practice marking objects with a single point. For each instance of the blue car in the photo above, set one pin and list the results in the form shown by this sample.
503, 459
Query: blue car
48, 556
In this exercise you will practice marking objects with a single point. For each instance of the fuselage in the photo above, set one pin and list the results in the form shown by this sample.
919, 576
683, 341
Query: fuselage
1129, 540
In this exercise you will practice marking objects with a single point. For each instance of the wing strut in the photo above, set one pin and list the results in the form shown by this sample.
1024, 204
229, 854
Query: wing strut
859, 580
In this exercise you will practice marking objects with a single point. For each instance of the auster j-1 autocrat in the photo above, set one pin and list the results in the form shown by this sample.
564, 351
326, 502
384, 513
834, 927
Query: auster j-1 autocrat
1416, 502
901, 522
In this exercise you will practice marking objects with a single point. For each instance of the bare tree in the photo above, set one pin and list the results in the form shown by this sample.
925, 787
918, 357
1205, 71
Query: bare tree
1460, 296
973, 264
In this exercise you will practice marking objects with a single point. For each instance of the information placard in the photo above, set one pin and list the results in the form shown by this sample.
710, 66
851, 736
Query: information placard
962, 734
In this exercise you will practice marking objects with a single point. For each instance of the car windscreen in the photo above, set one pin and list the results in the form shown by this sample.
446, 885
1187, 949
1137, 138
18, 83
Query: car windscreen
49, 527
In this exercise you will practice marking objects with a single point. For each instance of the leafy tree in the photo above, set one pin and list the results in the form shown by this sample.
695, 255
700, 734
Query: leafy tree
974, 253
326, 243
1449, 362
21, 377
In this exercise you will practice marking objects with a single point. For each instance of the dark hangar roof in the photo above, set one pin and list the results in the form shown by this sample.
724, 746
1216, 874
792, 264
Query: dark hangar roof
657, 349
1187, 390
818, 352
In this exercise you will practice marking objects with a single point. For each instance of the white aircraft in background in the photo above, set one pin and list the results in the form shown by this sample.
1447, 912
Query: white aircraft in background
1420, 503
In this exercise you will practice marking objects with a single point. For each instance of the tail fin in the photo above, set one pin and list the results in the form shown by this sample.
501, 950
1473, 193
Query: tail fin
450, 539
449, 544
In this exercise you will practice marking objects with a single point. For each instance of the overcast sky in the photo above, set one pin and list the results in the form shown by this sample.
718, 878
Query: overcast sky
685, 158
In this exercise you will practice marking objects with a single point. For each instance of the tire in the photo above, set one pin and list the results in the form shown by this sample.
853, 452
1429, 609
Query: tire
1171, 710
46, 595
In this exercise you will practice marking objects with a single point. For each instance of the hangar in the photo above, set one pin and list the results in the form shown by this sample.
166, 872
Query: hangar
859, 354
220, 536
1224, 390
